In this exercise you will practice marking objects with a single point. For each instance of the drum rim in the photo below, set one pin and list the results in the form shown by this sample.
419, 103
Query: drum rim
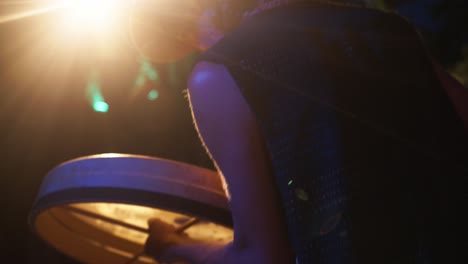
162, 201
54, 194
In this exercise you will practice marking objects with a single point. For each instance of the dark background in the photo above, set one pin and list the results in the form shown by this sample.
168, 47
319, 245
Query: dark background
46, 116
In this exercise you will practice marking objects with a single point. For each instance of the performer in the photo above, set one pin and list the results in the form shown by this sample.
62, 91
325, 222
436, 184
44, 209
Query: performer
336, 140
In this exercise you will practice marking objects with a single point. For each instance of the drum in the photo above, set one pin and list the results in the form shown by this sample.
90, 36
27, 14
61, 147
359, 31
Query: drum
95, 208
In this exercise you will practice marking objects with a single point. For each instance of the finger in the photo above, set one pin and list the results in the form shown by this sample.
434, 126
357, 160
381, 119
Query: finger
158, 239
157, 226
150, 248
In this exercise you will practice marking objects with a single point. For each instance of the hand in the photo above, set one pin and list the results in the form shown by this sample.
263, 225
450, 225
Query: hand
162, 237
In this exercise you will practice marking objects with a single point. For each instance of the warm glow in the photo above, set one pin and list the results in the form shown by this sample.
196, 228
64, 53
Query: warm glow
114, 218
92, 15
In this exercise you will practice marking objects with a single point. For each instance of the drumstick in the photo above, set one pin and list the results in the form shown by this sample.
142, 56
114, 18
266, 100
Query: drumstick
105, 218
179, 229
80, 211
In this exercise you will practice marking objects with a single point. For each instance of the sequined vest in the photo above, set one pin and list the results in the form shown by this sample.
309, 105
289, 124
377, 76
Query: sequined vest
366, 149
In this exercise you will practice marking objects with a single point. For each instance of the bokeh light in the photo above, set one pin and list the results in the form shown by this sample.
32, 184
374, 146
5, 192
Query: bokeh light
148, 69
101, 106
94, 94
148, 76
140, 81
153, 95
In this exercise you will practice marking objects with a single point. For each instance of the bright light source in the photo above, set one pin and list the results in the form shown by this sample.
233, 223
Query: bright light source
92, 15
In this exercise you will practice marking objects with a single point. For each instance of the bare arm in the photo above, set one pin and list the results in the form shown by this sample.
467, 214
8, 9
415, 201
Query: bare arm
230, 133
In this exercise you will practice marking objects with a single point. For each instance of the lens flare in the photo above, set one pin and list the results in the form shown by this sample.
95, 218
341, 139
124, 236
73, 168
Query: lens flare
88, 13
153, 95
101, 106
92, 15
27, 9
94, 94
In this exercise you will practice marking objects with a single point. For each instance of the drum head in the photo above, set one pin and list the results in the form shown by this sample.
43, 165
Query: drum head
95, 209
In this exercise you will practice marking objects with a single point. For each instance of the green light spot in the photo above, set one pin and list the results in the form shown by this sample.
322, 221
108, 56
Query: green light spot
153, 95
94, 93
100, 106
153, 75
140, 81
148, 70
146, 66
290, 182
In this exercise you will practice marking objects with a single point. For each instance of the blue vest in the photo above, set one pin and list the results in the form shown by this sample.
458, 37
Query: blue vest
368, 154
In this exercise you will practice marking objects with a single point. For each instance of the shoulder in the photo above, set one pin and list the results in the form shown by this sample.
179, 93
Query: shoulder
214, 95
208, 74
